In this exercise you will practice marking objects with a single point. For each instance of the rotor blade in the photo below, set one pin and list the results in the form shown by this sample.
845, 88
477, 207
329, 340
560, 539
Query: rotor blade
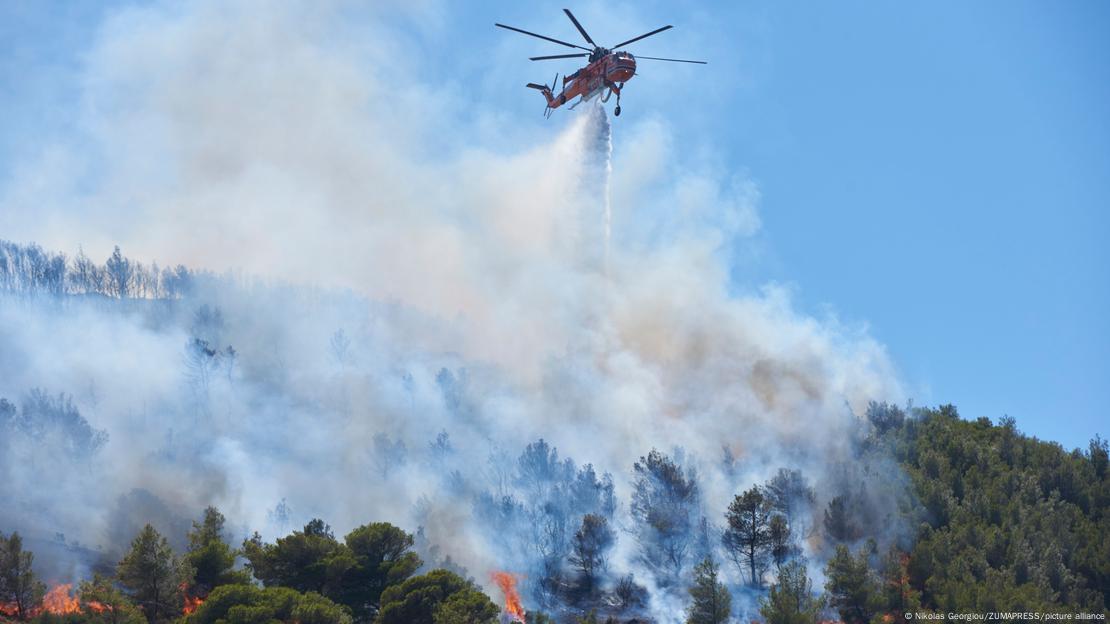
557, 56
655, 58
654, 32
525, 32
579, 27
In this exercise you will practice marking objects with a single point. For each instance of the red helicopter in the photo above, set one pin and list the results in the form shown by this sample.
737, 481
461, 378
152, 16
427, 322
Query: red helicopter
607, 69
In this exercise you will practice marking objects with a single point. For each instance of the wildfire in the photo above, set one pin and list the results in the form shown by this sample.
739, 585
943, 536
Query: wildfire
191, 602
58, 600
507, 583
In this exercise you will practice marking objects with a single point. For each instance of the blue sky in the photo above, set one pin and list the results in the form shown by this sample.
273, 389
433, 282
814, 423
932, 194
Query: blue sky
939, 171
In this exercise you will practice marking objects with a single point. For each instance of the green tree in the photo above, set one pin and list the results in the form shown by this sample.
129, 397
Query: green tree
354, 572
382, 556
851, 587
791, 599
466, 606
711, 602
249, 604
151, 575
1099, 456
103, 603
210, 558
18, 585
308, 560
415, 600
747, 539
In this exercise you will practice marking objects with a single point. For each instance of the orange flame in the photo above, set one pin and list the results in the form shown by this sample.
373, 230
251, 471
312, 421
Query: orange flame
507, 583
191, 602
97, 607
58, 600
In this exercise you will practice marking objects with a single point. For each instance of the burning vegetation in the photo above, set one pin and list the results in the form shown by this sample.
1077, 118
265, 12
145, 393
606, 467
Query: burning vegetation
59, 600
915, 510
374, 574
507, 583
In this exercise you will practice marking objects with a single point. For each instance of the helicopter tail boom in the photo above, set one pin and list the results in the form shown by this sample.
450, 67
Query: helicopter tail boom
553, 101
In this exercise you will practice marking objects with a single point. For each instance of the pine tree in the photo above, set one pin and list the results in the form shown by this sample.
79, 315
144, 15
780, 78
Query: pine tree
839, 524
898, 594
466, 606
712, 603
151, 575
18, 585
210, 558
851, 587
664, 502
591, 543
780, 539
747, 538
102, 603
791, 599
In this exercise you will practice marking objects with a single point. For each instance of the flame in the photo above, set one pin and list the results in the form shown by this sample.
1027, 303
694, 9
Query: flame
191, 602
97, 607
507, 583
58, 600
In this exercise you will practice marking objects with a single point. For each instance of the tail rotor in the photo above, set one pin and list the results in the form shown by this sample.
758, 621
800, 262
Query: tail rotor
554, 84
548, 94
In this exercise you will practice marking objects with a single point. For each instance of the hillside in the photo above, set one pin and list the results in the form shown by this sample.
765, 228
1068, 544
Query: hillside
902, 510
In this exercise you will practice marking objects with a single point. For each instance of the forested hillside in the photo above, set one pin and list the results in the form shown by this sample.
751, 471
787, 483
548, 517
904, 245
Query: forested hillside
1005, 523
912, 509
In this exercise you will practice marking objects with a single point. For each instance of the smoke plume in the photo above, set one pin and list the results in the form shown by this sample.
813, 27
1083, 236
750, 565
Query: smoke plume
378, 286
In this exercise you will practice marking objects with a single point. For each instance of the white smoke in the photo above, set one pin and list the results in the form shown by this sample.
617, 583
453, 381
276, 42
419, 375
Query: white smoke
265, 139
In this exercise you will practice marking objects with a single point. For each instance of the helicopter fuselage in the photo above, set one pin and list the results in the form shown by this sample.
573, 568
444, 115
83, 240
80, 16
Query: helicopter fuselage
610, 71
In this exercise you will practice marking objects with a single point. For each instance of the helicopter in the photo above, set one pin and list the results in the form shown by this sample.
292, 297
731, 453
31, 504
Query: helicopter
608, 69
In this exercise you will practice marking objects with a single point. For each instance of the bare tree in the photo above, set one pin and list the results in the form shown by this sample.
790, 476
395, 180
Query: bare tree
120, 274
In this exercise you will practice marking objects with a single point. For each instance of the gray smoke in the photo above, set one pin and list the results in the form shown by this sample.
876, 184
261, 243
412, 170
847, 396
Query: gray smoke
376, 296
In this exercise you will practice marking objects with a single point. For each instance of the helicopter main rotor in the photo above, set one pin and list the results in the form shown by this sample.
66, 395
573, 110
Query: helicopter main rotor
597, 52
